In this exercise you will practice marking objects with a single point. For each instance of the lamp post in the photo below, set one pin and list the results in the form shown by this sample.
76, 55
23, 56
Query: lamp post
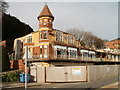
26, 58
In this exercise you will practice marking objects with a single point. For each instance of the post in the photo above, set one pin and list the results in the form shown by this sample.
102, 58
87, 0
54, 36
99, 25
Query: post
86, 71
26, 57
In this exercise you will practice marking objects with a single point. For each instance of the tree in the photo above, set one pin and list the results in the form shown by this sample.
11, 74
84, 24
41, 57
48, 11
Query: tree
3, 6
86, 38
12, 28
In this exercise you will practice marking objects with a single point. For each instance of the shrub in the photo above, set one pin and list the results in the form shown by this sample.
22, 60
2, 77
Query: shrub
11, 76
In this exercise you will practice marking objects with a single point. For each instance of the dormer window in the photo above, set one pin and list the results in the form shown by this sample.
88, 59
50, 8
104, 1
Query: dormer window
70, 39
59, 36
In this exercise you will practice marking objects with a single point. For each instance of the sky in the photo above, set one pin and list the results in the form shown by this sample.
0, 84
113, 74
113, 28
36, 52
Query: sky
100, 18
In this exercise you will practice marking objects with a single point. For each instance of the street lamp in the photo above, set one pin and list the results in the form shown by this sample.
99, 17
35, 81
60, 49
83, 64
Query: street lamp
26, 58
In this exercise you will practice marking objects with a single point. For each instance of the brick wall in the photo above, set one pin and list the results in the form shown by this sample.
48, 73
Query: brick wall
36, 50
17, 64
113, 44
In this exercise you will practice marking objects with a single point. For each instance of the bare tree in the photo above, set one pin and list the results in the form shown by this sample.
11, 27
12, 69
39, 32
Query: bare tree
87, 38
3, 6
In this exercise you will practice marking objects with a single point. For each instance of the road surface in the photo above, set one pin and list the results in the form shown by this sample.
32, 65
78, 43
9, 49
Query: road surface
95, 84
83, 85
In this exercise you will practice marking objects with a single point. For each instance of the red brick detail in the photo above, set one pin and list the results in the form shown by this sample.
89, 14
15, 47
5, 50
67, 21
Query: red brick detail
17, 64
112, 44
29, 44
47, 25
43, 40
36, 50
42, 34
51, 51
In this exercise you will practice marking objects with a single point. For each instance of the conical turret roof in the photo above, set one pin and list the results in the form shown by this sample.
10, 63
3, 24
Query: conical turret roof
45, 12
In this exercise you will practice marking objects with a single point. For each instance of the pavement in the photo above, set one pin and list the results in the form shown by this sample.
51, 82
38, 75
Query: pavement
94, 84
18, 84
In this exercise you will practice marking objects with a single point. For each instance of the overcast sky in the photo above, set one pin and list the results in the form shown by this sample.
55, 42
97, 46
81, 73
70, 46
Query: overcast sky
100, 18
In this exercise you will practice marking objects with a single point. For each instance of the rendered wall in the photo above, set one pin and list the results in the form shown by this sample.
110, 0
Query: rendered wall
99, 72
66, 74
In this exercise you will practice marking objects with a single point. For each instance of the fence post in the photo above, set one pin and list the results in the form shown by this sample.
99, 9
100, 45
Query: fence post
86, 72
45, 73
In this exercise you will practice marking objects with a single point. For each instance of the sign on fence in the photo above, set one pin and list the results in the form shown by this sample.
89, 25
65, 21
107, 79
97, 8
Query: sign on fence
76, 71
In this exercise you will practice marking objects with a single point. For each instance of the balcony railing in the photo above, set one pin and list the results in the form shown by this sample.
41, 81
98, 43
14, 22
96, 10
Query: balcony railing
67, 57
80, 58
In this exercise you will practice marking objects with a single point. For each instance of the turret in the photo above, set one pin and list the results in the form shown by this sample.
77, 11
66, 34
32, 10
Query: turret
45, 18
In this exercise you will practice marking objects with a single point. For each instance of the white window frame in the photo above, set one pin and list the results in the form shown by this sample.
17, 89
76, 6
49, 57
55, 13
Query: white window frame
40, 35
29, 39
70, 39
72, 49
45, 55
59, 36
45, 31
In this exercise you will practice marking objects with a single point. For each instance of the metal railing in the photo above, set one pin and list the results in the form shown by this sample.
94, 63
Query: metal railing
67, 57
81, 58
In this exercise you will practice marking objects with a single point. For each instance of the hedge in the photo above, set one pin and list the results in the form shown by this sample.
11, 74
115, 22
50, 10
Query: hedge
11, 76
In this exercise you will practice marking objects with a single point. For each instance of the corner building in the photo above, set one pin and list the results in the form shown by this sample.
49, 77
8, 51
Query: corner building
47, 45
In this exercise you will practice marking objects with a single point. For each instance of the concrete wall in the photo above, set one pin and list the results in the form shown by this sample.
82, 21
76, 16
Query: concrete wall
99, 72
